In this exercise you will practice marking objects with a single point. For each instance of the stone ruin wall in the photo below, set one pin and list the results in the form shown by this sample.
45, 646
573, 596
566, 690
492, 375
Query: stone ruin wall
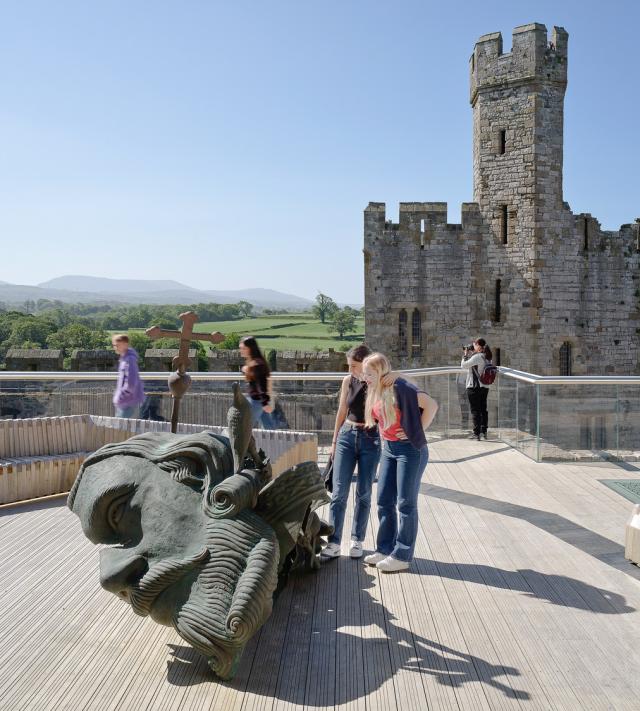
589, 298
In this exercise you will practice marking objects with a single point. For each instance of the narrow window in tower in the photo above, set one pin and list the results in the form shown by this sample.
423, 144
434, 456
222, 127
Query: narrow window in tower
504, 224
565, 358
503, 142
416, 333
498, 357
473, 62
585, 234
496, 315
422, 230
402, 331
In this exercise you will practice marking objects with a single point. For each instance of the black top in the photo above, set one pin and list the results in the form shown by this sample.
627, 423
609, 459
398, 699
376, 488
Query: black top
356, 397
256, 375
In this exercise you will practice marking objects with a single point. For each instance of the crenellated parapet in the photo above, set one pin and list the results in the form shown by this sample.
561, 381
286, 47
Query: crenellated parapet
422, 214
420, 221
594, 239
533, 57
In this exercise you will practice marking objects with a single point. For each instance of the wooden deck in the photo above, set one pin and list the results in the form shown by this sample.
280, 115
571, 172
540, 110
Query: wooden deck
519, 597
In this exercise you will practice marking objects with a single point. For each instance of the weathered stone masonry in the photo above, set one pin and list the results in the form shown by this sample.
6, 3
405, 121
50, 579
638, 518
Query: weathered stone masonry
552, 290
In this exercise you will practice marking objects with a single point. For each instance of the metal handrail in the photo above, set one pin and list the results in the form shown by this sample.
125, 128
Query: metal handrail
520, 375
570, 379
198, 375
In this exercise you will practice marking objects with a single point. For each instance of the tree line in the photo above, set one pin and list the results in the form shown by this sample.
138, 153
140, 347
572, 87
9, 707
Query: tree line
58, 325
47, 324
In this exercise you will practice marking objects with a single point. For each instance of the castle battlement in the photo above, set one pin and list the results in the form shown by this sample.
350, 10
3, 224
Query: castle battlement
533, 56
421, 216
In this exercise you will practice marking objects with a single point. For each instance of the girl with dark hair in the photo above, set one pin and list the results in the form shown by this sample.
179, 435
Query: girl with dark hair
353, 443
477, 391
256, 373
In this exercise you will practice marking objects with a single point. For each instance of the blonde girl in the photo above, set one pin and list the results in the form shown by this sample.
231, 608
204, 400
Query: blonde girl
402, 413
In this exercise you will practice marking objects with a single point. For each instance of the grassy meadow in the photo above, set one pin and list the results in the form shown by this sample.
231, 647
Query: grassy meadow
301, 332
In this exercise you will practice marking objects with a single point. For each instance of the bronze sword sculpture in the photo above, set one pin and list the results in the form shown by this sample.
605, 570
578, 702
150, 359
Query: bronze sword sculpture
179, 380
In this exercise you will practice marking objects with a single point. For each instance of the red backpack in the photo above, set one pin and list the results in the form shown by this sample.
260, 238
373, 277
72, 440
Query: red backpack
489, 373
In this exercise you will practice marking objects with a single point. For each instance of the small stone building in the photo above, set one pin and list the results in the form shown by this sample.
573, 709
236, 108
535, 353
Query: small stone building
45, 359
99, 360
160, 359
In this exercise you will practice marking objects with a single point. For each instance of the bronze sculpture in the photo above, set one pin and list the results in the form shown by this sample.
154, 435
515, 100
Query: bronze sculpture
200, 538
180, 381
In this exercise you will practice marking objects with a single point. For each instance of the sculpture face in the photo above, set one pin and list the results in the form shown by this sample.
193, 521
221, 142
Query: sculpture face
194, 545
158, 525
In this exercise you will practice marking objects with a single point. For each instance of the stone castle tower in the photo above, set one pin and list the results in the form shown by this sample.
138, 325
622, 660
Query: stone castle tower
549, 290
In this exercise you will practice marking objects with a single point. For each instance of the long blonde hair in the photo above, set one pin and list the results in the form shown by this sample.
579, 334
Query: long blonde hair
379, 364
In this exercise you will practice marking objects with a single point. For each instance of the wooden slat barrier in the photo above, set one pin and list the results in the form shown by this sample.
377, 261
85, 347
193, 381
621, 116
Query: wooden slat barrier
41, 456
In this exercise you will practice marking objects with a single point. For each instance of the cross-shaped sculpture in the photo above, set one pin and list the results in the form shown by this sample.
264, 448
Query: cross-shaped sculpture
179, 381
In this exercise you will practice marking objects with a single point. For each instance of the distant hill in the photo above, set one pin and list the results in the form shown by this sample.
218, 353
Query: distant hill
263, 296
115, 286
17, 293
87, 289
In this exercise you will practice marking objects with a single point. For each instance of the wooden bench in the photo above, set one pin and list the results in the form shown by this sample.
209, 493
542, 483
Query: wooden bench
41, 456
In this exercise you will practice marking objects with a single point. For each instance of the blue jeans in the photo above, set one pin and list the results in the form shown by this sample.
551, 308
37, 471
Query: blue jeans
401, 468
353, 446
258, 415
129, 412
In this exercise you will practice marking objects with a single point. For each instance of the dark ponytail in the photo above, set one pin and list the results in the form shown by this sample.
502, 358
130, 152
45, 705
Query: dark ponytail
359, 353
485, 348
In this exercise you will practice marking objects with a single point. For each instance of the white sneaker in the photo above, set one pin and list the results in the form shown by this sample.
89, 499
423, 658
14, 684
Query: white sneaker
374, 558
331, 550
392, 565
355, 549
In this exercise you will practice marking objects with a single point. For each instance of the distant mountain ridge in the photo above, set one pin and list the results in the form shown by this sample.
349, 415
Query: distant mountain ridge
101, 285
87, 289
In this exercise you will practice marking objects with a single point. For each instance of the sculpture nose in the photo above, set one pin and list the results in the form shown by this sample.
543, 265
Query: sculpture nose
120, 569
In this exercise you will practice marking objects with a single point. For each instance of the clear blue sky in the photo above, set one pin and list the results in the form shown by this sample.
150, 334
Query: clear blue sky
251, 135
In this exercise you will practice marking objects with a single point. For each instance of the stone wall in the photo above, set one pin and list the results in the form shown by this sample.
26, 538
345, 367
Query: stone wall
99, 360
222, 361
34, 359
160, 359
521, 269
330, 361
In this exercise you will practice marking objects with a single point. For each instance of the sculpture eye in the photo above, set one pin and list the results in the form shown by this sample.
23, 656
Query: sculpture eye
116, 510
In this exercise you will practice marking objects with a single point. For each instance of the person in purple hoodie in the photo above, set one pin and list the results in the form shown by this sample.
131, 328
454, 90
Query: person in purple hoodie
129, 394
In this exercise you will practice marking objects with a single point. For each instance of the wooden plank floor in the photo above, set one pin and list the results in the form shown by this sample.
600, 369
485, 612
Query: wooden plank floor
519, 597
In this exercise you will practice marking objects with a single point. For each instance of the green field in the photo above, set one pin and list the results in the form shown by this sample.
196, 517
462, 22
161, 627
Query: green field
287, 332
299, 332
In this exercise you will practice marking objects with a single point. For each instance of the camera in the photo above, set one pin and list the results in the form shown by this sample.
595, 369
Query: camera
468, 347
